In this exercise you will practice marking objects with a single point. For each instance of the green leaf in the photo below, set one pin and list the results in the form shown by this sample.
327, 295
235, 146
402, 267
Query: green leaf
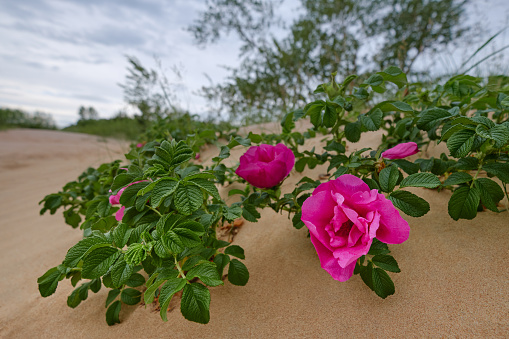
221, 260
121, 235
76, 253
457, 178
388, 178
427, 180
395, 75
195, 303
335, 146
407, 166
208, 186
72, 218
188, 199
193, 261
378, 247
130, 296
366, 273
112, 314
95, 285
135, 254
164, 188
329, 117
314, 112
353, 131
463, 203
98, 262
296, 221
490, 193
498, 133
386, 262
460, 143
149, 295
187, 237
382, 283
236, 251
112, 295
48, 281
431, 117
232, 212
388, 106
120, 272
129, 195
498, 169
374, 80
238, 273
372, 120
207, 272
409, 203
172, 286
250, 213
135, 280
122, 180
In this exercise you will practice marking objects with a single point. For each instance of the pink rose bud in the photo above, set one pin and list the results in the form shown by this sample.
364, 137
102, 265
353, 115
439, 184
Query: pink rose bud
140, 145
115, 200
343, 216
266, 166
401, 151
120, 214
197, 156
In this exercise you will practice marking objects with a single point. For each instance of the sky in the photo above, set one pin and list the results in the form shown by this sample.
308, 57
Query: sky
56, 56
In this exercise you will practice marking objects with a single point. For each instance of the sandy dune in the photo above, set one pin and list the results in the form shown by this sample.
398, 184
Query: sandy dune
454, 280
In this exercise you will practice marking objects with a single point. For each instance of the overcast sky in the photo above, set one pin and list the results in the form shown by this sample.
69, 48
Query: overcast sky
58, 55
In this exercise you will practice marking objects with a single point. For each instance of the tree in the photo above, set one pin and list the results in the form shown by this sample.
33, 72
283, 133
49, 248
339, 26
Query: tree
278, 74
88, 113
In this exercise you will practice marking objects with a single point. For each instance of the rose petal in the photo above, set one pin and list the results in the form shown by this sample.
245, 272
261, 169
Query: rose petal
120, 214
330, 264
393, 228
401, 151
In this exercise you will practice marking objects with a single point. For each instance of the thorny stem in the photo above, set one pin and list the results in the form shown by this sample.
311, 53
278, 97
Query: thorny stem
481, 158
153, 209
179, 268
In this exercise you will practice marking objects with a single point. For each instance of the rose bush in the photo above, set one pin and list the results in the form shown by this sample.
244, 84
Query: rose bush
266, 166
401, 151
343, 217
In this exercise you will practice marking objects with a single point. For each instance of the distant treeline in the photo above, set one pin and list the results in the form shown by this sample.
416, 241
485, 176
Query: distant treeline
10, 118
117, 127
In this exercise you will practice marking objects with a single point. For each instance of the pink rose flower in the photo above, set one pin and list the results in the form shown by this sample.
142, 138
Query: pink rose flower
266, 166
401, 151
115, 200
140, 145
343, 216
197, 156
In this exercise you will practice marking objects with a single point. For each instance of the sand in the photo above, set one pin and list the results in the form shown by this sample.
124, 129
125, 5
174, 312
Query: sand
454, 280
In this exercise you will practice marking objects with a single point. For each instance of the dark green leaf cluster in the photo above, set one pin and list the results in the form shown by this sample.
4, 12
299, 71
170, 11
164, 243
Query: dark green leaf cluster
168, 230
75, 196
373, 269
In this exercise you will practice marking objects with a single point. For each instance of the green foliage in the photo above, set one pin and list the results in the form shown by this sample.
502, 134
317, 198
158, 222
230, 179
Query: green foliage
15, 118
117, 127
172, 210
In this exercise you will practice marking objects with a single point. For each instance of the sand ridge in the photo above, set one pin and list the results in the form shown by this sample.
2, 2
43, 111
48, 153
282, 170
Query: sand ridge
454, 280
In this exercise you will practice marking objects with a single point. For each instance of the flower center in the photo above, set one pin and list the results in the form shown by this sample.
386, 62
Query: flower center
345, 229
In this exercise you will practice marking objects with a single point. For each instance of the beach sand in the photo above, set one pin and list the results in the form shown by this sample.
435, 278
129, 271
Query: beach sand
454, 280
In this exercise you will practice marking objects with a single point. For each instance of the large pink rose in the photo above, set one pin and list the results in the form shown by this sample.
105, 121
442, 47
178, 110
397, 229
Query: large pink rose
115, 200
343, 216
401, 151
266, 166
